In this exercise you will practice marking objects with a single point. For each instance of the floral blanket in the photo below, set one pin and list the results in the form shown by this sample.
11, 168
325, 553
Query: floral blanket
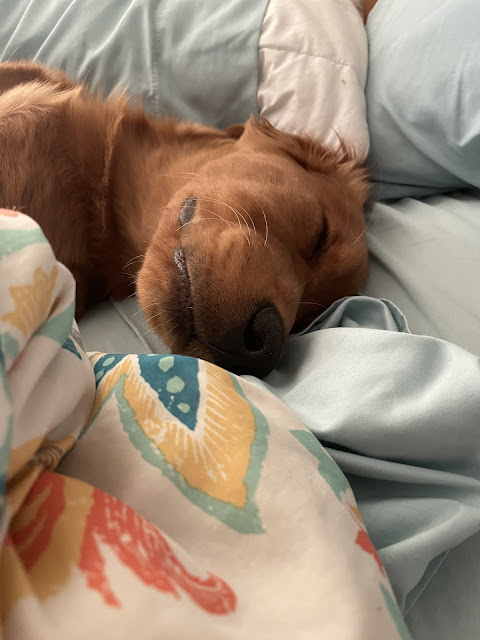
160, 496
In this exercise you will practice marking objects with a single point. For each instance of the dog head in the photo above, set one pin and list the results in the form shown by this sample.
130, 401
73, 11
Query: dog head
267, 233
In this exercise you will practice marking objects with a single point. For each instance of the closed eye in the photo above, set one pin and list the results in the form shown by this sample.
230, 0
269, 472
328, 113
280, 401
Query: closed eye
320, 242
188, 211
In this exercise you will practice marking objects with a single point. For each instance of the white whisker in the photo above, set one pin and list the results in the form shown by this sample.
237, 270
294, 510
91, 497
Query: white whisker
147, 306
374, 206
246, 212
196, 220
217, 215
264, 217
367, 225
237, 215
141, 256
178, 174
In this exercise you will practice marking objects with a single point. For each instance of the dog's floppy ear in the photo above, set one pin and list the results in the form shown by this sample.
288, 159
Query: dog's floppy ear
235, 131
339, 163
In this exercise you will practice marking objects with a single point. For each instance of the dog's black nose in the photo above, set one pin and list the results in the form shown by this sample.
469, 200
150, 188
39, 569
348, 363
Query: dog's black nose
253, 347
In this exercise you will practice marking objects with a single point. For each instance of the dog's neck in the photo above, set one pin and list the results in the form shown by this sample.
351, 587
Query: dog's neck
143, 176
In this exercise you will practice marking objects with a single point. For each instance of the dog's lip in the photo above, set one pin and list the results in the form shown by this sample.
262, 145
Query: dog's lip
185, 310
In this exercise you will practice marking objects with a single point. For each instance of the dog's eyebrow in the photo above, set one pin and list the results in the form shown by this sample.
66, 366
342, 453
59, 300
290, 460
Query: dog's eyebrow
188, 211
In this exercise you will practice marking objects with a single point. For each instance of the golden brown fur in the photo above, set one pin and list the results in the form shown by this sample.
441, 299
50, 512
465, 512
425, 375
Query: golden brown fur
367, 7
107, 183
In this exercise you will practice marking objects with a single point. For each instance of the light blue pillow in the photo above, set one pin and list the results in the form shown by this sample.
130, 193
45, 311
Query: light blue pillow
423, 96
193, 59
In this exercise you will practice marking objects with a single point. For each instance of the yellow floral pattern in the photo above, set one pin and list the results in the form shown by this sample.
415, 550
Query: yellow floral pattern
31, 301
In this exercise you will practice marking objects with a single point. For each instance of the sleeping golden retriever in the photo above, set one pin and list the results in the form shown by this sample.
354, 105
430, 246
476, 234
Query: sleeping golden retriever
233, 237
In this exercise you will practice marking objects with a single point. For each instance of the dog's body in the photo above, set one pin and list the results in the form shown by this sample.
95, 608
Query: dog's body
77, 164
245, 231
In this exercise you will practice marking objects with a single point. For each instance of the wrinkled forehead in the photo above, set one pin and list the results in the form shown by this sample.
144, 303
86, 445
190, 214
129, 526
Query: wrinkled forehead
259, 181
255, 166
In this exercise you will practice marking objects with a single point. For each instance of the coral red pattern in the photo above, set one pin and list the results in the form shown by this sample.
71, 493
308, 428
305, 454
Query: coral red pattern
136, 542
33, 538
364, 543
141, 546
